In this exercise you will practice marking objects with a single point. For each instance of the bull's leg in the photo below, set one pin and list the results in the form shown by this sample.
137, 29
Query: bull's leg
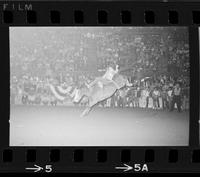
85, 112
89, 108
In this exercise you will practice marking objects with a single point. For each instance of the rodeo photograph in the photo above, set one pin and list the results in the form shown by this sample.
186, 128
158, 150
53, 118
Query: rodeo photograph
99, 86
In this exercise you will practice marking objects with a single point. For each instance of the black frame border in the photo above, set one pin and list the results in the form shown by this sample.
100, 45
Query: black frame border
66, 164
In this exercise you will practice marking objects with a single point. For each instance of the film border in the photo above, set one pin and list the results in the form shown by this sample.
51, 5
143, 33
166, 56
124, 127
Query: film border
187, 15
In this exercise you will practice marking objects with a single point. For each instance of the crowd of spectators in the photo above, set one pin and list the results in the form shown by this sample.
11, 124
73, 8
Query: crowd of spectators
159, 59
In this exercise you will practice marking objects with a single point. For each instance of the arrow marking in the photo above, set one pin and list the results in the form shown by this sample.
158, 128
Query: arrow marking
125, 168
36, 169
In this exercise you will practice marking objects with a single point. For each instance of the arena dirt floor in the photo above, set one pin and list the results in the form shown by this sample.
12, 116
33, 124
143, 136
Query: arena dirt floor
63, 126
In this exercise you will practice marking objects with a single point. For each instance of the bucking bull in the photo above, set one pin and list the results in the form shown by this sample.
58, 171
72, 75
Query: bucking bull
97, 93
101, 89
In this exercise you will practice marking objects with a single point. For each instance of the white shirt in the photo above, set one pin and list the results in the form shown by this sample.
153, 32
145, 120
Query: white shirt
109, 73
169, 93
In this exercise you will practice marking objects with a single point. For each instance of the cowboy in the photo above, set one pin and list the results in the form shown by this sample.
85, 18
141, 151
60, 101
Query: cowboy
109, 74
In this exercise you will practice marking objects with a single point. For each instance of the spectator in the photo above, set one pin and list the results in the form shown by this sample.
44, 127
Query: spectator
185, 95
155, 96
165, 104
176, 97
147, 95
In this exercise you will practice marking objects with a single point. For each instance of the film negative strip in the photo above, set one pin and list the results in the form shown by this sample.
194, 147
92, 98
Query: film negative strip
104, 86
